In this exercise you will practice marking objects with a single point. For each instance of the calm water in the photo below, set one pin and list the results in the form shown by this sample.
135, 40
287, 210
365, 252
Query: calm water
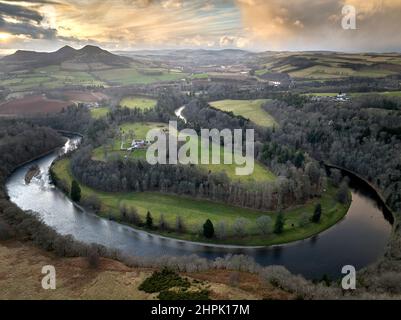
359, 239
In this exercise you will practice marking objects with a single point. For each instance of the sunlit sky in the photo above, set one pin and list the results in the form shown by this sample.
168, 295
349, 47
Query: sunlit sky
46, 25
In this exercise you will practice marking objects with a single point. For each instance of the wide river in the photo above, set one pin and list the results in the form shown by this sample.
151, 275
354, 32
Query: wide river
358, 240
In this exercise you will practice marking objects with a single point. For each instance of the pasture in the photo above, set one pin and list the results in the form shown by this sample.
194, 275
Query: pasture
138, 102
130, 131
98, 113
249, 109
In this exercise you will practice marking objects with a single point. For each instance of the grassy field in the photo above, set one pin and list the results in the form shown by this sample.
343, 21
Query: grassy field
194, 213
99, 112
138, 102
131, 76
49, 78
139, 130
250, 109
52, 77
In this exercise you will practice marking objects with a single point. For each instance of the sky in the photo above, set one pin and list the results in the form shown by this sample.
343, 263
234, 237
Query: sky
256, 25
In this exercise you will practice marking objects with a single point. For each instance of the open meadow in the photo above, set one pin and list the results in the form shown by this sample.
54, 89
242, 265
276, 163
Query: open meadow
249, 109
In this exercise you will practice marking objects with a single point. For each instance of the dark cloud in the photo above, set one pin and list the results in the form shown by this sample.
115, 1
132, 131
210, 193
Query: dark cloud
28, 29
19, 12
35, 1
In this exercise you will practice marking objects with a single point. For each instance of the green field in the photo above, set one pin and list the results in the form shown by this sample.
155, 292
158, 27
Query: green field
52, 77
131, 76
48, 78
99, 112
250, 109
194, 213
139, 130
138, 102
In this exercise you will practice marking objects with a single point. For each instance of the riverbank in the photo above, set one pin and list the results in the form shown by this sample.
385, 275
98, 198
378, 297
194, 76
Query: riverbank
194, 213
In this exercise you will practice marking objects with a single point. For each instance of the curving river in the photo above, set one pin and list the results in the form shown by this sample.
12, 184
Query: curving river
359, 239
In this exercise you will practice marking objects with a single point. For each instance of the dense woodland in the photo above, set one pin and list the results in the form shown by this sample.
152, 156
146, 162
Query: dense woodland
362, 136
20, 142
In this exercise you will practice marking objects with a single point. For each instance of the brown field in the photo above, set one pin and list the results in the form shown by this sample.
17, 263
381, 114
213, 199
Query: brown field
20, 278
31, 105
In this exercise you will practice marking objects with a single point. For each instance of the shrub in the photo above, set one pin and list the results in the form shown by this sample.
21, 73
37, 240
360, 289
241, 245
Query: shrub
123, 211
92, 202
5, 231
264, 224
304, 219
239, 227
208, 229
179, 225
93, 258
234, 279
133, 216
163, 225
163, 280
221, 230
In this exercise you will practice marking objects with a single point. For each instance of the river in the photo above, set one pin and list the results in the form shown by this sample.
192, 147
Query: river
358, 240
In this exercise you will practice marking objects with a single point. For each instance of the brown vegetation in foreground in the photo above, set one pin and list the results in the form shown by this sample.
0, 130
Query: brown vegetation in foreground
20, 278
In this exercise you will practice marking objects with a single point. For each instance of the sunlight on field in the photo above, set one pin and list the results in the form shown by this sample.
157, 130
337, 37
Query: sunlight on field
250, 109
138, 102
139, 131
99, 112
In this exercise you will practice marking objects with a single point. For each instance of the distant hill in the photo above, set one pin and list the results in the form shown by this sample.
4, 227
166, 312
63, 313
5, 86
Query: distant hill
87, 58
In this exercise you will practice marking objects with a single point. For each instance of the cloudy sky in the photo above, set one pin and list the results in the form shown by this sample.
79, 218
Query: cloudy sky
46, 25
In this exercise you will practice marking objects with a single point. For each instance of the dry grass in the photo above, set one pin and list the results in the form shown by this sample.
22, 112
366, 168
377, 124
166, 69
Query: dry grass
20, 278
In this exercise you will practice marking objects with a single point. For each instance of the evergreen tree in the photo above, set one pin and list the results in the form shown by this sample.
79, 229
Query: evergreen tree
149, 220
317, 213
279, 225
208, 229
75, 191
